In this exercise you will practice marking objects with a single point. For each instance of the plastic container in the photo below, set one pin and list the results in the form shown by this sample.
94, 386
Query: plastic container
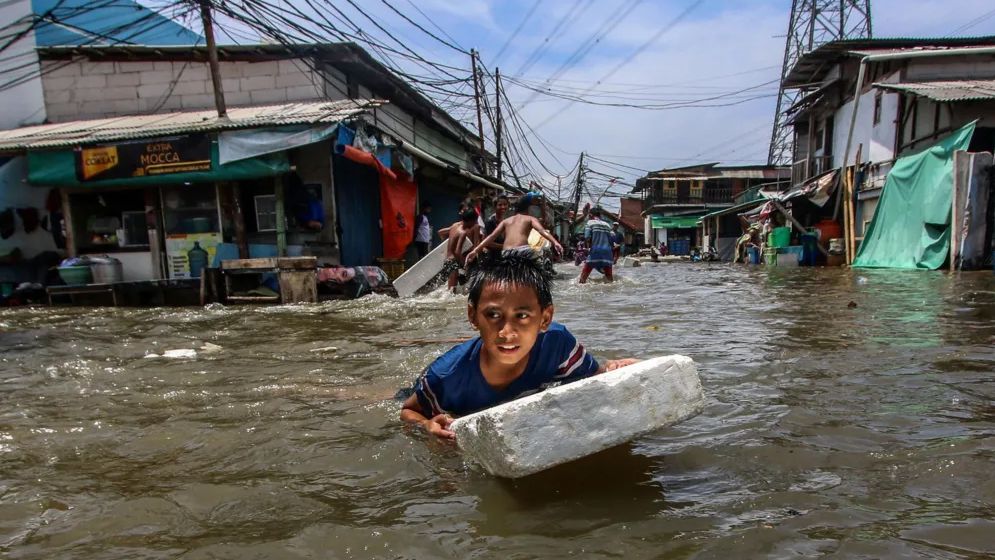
789, 256
779, 237
754, 254
809, 251
828, 230
197, 257
770, 256
75, 275
106, 270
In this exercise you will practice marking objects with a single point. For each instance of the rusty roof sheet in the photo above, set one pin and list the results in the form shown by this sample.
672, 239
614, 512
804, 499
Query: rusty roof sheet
114, 129
950, 90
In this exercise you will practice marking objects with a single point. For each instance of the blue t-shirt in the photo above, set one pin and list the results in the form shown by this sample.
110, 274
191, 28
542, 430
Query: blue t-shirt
453, 383
599, 235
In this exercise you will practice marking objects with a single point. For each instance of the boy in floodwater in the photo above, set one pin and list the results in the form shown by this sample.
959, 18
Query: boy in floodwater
466, 228
520, 350
516, 230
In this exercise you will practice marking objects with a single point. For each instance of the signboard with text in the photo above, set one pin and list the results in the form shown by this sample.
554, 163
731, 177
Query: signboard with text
179, 154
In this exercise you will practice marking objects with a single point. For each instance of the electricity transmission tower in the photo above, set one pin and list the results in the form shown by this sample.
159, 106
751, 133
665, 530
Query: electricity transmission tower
812, 24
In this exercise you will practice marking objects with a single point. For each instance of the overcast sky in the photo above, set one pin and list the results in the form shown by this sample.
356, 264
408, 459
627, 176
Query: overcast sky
704, 48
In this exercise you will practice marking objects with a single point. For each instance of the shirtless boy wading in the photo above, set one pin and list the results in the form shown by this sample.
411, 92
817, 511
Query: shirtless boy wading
516, 230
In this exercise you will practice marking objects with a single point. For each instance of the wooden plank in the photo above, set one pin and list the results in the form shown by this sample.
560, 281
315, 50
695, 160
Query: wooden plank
297, 263
254, 298
243, 264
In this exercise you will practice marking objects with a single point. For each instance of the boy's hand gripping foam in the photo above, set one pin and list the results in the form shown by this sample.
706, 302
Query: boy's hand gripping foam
564, 423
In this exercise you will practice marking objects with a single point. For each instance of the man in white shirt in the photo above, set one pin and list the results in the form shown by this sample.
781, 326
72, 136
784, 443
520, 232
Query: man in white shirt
423, 230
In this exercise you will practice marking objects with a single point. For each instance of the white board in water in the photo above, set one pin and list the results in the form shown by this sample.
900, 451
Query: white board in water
565, 423
423, 271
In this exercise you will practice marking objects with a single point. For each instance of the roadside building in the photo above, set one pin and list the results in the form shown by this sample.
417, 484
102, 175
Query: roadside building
909, 94
674, 200
324, 152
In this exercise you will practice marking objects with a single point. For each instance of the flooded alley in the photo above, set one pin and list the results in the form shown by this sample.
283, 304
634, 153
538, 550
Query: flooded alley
848, 412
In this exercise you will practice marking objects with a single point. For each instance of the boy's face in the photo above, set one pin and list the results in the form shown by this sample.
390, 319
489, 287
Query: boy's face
502, 207
509, 319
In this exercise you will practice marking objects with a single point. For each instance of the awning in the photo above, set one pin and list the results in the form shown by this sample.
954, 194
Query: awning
817, 189
59, 169
734, 209
947, 90
677, 222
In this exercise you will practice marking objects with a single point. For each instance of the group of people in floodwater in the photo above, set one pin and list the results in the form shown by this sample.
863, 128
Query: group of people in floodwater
501, 234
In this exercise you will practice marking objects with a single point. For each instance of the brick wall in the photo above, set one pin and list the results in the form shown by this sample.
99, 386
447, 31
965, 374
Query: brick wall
85, 90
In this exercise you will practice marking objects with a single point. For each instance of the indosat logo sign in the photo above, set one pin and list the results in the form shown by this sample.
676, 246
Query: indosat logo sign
182, 154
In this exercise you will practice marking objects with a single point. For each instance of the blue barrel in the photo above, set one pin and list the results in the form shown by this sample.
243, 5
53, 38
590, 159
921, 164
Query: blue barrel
809, 249
754, 253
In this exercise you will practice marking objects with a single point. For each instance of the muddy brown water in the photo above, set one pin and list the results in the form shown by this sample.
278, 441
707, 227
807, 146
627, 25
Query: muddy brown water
830, 429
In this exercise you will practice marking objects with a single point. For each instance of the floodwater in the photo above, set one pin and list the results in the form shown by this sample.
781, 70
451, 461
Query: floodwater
832, 428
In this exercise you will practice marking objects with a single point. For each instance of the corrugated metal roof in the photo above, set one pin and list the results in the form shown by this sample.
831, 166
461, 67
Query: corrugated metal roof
113, 129
813, 66
951, 90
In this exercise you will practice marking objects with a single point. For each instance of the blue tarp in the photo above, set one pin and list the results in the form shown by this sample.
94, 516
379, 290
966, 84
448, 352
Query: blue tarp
118, 22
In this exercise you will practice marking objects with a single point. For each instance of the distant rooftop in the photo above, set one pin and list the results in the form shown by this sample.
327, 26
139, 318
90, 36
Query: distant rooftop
86, 22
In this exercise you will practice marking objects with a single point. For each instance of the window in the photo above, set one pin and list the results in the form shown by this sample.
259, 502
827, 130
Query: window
265, 212
819, 138
877, 107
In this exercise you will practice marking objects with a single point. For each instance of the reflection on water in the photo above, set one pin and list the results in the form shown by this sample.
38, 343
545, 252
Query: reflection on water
849, 413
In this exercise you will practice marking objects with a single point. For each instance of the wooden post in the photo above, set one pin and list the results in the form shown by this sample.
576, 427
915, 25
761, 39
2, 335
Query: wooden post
476, 96
67, 217
497, 124
851, 209
960, 159
212, 58
239, 220
281, 220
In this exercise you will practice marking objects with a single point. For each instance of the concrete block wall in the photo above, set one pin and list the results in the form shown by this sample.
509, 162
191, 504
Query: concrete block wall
87, 90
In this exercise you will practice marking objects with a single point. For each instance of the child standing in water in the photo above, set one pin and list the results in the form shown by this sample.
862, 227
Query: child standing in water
520, 350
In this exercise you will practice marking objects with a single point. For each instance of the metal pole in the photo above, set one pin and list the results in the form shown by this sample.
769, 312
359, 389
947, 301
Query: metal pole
497, 133
579, 183
476, 97
212, 57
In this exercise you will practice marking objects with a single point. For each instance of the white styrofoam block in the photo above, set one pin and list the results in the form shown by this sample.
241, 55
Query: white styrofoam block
423, 271
536, 432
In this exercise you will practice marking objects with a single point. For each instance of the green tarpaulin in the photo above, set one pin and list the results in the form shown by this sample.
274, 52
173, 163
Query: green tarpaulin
665, 222
58, 169
911, 227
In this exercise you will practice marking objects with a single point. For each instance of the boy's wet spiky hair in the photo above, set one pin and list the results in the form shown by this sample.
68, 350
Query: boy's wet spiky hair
518, 268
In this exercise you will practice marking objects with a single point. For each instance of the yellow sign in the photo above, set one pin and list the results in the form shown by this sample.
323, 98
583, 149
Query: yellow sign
97, 160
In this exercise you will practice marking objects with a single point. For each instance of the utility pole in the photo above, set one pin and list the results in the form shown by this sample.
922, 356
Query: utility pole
580, 185
476, 97
212, 57
497, 133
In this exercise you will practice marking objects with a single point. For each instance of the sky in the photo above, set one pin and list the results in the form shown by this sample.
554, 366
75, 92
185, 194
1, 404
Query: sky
657, 52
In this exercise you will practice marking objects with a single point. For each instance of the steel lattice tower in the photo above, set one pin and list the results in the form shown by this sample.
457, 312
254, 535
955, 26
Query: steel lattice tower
812, 23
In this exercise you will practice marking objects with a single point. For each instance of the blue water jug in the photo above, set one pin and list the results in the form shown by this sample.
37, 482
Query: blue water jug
197, 258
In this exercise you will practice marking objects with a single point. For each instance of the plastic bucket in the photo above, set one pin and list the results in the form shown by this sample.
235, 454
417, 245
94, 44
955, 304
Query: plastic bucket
754, 253
780, 237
